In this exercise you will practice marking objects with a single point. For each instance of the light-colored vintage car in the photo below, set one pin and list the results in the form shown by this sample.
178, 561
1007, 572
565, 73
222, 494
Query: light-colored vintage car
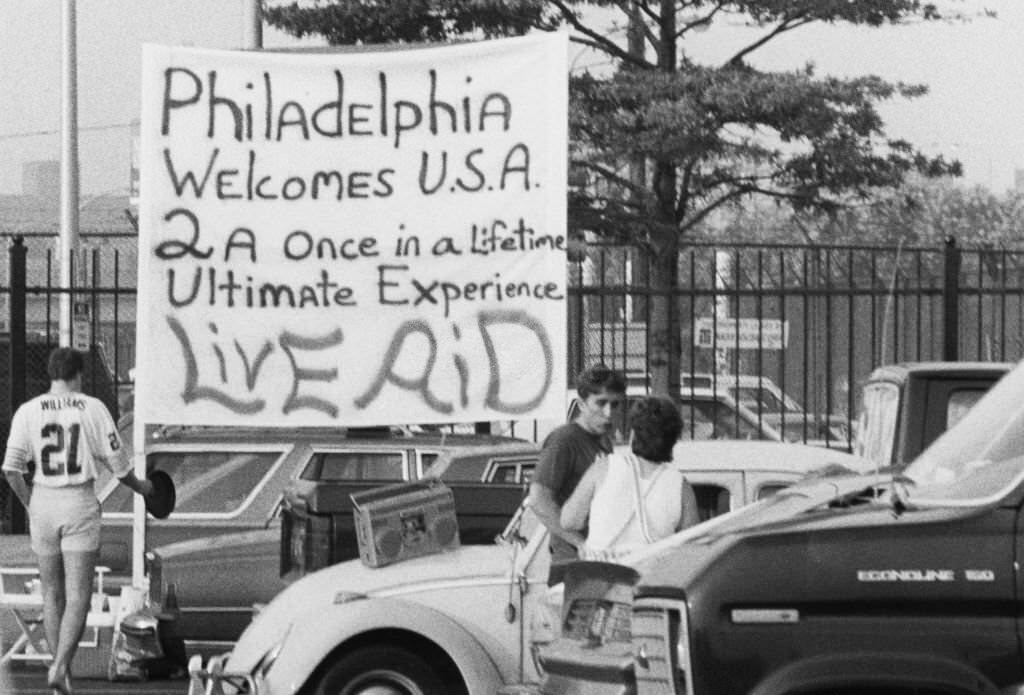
467, 621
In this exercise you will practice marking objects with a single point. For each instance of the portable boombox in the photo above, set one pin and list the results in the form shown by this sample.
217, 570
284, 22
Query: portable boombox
398, 522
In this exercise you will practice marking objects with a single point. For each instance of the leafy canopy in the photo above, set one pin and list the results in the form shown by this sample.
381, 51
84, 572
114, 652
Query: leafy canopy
662, 141
707, 134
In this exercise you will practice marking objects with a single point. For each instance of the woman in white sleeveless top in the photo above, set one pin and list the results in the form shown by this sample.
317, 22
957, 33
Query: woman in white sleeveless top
629, 499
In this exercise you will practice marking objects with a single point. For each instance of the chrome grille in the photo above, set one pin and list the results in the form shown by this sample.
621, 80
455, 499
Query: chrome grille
591, 620
656, 632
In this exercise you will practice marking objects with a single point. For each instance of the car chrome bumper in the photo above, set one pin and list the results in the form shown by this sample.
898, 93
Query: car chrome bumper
215, 680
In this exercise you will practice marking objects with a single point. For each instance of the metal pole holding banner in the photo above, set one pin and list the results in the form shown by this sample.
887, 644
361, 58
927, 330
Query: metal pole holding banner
68, 165
138, 503
253, 39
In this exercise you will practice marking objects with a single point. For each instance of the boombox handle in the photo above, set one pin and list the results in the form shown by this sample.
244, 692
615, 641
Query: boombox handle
377, 493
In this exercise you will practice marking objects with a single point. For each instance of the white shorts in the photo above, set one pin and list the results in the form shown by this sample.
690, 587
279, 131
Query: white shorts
64, 518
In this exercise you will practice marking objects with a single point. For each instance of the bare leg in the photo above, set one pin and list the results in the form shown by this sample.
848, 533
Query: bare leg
79, 568
51, 581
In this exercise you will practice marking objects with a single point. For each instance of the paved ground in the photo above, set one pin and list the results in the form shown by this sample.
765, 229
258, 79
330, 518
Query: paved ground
31, 680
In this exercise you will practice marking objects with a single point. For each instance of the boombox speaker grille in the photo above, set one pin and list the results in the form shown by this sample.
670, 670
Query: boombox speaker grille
398, 522
446, 531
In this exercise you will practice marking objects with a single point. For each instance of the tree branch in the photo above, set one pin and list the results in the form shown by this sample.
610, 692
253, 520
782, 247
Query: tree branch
625, 7
701, 21
609, 174
786, 25
685, 187
711, 207
595, 39
646, 9
737, 192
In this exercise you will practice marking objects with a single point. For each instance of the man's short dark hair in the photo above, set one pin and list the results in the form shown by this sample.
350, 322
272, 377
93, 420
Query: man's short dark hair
656, 426
65, 364
598, 378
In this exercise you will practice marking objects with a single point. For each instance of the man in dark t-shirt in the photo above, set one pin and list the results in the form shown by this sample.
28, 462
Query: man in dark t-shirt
566, 455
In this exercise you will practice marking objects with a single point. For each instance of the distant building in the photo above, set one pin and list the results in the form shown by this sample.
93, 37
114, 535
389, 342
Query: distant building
32, 215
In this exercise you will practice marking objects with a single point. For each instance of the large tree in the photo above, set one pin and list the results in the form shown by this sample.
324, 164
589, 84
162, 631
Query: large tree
665, 139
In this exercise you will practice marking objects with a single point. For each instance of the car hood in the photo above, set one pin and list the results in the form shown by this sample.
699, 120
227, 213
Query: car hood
417, 574
827, 504
346, 580
789, 505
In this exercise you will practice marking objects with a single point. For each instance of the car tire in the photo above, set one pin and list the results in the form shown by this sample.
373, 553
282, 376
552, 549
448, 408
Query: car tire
380, 670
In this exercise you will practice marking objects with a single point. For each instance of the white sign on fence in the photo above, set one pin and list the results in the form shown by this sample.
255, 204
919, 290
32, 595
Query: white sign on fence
81, 325
353, 238
746, 334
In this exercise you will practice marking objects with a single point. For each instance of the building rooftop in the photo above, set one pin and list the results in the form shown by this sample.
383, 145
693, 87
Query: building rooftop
37, 215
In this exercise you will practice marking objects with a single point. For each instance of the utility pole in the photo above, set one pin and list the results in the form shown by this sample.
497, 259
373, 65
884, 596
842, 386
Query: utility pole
253, 25
68, 240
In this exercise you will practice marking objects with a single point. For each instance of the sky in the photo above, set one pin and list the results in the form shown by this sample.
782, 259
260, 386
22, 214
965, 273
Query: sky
974, 111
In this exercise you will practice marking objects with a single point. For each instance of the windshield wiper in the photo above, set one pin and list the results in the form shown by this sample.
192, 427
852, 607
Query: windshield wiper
899, 494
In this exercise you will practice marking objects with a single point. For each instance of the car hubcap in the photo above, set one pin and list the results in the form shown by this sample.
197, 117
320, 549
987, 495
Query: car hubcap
382, 683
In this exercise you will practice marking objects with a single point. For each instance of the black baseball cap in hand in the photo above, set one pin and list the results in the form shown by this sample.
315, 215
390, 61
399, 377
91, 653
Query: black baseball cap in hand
161, 503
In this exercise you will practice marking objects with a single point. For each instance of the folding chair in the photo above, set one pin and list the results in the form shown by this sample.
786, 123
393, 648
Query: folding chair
26, 606
20, 597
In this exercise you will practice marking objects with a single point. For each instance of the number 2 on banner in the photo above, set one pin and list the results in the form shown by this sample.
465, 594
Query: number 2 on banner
54, 436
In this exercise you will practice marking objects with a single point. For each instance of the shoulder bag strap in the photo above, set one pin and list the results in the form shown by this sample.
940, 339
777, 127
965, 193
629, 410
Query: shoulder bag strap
641, 513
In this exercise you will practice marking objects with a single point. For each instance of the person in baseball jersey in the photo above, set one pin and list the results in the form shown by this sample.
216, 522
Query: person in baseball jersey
68, 435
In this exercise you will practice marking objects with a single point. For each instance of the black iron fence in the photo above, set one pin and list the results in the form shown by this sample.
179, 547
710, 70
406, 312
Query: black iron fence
807, 323
811, 321
103, 302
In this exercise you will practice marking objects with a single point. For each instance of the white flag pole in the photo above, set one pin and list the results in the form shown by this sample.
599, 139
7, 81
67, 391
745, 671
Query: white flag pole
68, 165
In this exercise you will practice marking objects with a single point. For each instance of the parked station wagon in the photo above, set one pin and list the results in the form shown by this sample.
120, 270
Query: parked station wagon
229, 483
225, 533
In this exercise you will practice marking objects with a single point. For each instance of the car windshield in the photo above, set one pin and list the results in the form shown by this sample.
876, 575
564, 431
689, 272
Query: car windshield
759, 399
876, 429
981, 458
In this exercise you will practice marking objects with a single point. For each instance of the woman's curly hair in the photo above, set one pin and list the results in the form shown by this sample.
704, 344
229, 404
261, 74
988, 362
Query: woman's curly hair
656, 425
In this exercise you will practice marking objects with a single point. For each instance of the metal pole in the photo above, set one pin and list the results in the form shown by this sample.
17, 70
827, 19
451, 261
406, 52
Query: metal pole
13, 517
68, 165
253, 25
951, 302
16, 307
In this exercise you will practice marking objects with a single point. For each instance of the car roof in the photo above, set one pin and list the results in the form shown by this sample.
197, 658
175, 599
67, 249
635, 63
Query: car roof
760, 455
900, 371
333, 436
706, 379
517, 449
685, 390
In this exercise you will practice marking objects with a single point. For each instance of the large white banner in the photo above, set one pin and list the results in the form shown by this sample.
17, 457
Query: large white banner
353, 239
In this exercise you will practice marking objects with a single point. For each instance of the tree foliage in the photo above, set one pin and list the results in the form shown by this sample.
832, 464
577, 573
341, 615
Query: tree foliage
351, 22
664, 140
920, 212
